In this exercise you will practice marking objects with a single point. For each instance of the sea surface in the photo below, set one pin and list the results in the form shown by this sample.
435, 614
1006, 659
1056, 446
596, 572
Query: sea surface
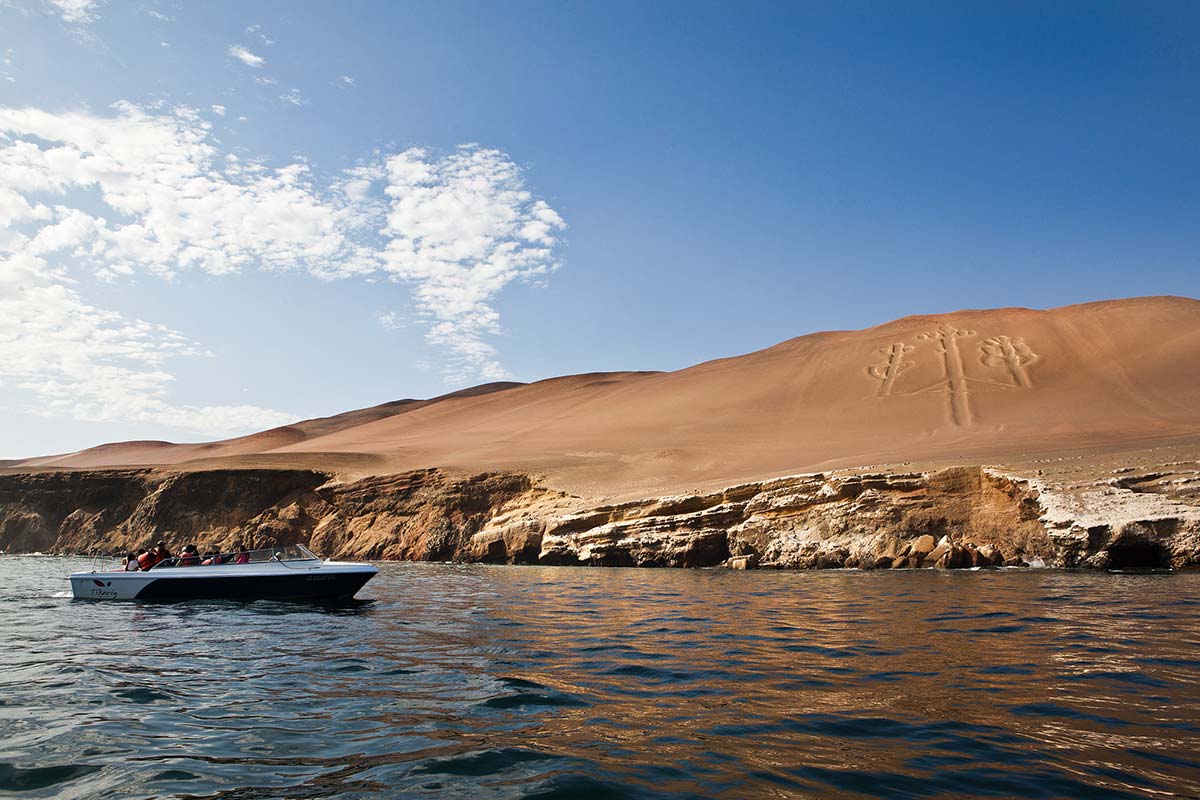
503, 682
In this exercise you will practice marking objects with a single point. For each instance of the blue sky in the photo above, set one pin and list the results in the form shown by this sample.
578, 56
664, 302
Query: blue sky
423, 196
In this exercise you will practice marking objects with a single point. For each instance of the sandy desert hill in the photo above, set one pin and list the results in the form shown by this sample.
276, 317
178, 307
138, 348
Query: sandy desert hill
998, 384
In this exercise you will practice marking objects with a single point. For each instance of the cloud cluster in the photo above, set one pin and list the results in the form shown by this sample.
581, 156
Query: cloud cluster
76, 12
148, 191
460, 229
245, 56
174, 202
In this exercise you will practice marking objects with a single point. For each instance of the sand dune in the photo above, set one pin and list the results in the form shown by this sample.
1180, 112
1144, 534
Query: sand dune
998, 384
152, 453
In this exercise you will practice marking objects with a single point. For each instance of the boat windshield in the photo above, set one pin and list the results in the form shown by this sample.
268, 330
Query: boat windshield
289, 552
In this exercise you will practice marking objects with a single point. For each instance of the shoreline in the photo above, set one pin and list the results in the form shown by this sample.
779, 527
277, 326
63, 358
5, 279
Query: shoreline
1089, 515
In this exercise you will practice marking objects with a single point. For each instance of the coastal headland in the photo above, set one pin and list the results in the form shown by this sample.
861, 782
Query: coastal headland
1066, 437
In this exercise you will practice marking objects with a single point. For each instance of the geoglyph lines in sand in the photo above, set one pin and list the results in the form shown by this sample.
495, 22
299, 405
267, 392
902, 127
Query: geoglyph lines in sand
955, 380
887, 371
1010, 352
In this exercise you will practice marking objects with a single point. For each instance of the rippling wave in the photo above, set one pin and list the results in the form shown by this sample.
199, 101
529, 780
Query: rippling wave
495, 682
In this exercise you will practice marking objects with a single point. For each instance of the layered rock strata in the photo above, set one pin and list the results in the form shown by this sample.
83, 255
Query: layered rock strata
950, 518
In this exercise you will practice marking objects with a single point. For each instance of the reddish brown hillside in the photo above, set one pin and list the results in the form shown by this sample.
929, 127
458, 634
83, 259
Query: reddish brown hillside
995, 384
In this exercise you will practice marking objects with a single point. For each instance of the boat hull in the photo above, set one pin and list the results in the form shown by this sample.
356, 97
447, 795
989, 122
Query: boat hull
319, 581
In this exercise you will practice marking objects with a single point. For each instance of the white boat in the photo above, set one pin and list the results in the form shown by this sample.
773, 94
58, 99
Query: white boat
285, 573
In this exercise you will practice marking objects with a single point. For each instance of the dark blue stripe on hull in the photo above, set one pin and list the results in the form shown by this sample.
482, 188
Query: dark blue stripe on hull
262, 587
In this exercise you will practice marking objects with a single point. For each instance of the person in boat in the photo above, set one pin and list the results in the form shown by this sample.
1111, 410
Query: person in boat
243, 555
131, 563
189, 557
161, 553
212, 558
146, 560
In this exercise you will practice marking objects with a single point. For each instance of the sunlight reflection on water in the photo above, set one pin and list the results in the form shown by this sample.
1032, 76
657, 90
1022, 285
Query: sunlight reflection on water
479, 681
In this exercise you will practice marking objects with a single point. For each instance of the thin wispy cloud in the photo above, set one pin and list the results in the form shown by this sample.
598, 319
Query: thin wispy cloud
149, 192
76, 12
245, 56
345, 81
390, 320
256, 30
158, 15
293, 97
218, 110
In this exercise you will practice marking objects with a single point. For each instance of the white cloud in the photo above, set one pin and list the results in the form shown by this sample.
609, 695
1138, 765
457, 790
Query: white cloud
93, 365
462, 228
390, 320
147, 191
264, 81
164, 44
218, 109
78, 12
245, 56
256, 30
158, 15
293, 96
163, 210
174, 206
345, 81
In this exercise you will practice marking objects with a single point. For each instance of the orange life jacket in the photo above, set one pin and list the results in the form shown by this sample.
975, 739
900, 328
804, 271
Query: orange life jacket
146, 561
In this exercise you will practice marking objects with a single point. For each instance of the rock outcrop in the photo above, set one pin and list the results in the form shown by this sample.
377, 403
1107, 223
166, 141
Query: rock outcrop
951, 518
423, 515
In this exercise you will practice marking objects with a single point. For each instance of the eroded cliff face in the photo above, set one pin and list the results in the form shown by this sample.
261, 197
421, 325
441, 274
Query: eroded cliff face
424, 515
950, 518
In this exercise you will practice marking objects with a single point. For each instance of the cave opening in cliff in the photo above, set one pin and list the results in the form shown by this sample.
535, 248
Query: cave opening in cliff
1138, 554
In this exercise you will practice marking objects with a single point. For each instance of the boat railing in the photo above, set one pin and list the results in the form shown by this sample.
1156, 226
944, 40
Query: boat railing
286, 553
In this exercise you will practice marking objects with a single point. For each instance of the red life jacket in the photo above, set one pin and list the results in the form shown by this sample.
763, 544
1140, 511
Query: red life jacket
146, 561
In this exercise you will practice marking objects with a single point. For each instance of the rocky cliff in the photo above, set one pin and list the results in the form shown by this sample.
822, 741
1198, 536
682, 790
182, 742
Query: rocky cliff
951, 518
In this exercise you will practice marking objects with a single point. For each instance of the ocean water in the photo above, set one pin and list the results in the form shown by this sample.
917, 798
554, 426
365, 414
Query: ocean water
504, 682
